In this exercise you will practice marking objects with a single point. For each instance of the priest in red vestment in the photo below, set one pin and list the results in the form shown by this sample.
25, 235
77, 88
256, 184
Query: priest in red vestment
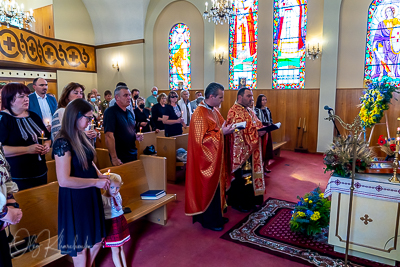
245, 163
206, 165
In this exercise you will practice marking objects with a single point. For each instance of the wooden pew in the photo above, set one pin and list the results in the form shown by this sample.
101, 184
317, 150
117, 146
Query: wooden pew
276, 147
149, 139
136, 177
40, 207
51, 171
167, 147
103, 158
101, 142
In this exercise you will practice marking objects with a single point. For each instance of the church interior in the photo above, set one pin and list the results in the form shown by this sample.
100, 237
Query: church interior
99, 43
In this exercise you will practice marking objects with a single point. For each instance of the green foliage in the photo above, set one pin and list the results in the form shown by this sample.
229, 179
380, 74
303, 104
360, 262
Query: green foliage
311, 213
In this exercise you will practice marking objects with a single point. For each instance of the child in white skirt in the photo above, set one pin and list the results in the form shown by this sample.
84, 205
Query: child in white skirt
116, 225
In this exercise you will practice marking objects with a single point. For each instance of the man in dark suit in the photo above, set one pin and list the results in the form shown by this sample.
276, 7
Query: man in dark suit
41, 103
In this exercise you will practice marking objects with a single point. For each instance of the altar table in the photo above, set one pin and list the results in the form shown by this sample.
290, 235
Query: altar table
375, 217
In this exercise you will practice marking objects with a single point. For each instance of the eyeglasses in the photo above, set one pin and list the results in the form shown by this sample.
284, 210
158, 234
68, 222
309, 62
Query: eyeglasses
174, 96
89, 118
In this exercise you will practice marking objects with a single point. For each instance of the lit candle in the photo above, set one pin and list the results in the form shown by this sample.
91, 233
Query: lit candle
398, 130
108, 172
206, 6
92, 120
48, 122
42, 134
299, 123
152, 104
140, 129
98, 124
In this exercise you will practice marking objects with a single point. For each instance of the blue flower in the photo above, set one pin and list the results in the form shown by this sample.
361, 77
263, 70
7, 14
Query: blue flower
309, 212
299, 203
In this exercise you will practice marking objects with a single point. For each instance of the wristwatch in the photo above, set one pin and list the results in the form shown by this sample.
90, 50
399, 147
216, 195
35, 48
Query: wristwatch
15, 205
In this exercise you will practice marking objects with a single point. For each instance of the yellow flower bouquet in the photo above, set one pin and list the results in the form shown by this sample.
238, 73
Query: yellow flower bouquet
375, 101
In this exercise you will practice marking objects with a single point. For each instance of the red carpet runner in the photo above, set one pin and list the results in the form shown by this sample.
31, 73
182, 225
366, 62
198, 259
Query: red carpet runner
268, 230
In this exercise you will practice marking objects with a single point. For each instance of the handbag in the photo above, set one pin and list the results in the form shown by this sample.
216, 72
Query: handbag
149, 150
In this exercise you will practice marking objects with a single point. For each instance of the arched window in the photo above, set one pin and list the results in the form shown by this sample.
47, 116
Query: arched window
382, 58
243, 35
288, 63
179, 57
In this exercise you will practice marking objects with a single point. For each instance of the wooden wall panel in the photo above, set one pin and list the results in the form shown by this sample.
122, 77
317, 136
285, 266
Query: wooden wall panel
44, 24
286, 106
347, 101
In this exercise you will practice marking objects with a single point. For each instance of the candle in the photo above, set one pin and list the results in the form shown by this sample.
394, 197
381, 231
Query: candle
304, 124
140, 129
152, 104
299, 123
48, 122
42, 134
108, 172
398, 130
92, 120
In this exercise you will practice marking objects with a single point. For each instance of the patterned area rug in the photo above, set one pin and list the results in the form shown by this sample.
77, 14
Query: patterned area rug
268, 230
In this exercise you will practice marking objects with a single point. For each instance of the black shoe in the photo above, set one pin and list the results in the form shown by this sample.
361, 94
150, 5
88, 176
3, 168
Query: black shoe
225, 220
241, 209
217, 229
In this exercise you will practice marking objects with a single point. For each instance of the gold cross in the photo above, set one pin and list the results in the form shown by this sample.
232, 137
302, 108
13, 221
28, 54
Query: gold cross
366, 219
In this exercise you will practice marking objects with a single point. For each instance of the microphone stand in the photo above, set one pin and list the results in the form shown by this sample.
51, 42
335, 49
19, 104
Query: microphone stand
334, 123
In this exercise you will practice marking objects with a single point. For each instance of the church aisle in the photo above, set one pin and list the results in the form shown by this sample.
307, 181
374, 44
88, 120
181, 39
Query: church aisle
180, 243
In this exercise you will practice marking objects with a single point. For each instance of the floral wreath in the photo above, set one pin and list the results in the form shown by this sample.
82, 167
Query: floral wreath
375, 101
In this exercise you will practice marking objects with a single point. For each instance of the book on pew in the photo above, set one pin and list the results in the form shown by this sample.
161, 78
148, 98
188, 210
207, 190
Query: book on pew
271, 127
153, 194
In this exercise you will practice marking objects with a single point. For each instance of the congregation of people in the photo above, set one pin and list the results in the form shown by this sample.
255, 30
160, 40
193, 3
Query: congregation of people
226, 164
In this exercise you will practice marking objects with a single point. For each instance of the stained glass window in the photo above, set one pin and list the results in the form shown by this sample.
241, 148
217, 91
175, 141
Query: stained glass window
383, 42
288, 63
179, 57
243, 34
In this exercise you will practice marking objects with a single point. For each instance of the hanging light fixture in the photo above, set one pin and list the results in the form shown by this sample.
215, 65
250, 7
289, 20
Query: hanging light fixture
220, 11
13, 14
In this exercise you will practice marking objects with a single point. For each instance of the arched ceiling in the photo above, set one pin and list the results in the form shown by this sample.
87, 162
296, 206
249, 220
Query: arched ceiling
117, 20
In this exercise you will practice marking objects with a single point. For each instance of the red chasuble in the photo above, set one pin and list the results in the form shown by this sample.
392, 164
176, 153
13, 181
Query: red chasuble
205, 166
246, 143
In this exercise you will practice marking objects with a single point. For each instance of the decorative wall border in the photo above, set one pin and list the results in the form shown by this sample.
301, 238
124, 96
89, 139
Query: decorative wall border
24, 47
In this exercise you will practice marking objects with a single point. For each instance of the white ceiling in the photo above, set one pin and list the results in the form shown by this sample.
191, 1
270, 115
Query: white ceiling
117, 20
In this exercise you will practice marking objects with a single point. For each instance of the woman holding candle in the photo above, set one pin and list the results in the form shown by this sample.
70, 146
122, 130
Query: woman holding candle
70, 92
142, 116
81, 225
157, 112
172, 119
264, 115
20, 134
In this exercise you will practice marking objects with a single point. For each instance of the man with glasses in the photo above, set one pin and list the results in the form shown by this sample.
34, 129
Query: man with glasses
42, 103
119, 128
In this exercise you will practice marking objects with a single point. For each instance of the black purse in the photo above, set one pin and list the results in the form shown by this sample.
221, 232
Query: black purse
149, 150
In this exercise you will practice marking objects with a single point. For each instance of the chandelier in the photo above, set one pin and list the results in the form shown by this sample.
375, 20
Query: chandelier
221, 11
13, 14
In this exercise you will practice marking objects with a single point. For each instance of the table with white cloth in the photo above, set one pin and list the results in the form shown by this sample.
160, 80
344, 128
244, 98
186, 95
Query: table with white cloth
374, 232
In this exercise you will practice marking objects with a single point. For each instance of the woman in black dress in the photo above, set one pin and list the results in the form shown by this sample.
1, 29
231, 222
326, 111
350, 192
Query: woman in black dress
142, 116
264, 115
172, 119
20, 133
157, 112
81, 226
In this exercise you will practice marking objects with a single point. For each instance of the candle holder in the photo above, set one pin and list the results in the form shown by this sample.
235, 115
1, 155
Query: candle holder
42, 138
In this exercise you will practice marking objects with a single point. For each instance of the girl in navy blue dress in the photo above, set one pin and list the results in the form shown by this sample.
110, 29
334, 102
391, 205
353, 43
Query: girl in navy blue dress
81, 226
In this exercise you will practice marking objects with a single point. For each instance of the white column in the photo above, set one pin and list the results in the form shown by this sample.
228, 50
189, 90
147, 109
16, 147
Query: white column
329, 63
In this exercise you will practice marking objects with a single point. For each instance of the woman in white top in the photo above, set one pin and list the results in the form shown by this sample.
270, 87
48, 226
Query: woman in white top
9, 211
70, 92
